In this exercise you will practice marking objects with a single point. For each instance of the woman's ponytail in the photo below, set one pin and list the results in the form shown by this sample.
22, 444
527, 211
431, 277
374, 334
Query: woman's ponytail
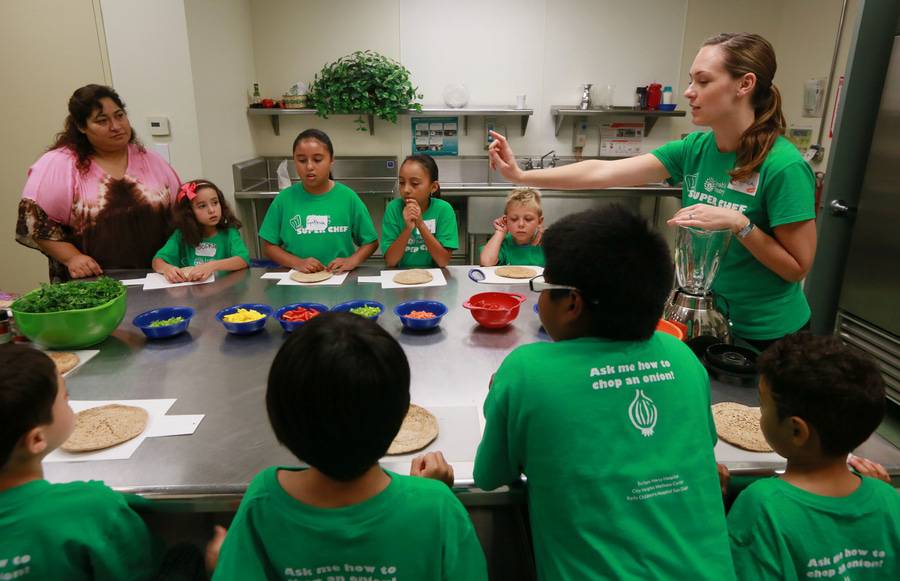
758, 139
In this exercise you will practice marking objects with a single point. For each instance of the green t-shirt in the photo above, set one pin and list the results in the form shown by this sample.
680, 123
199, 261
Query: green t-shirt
779, 531
760, 304
439, 218
616, 440
518, 254
224, 244
79, 530
414, 529
324, 226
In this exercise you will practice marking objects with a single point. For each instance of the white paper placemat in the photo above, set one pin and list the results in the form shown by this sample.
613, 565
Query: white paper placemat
387, 279
134, 281
84, 355
491, 277
157, 281
158, 425
335, 280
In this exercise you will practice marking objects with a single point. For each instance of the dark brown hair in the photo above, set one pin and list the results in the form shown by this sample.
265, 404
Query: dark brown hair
750, 53
191, 231
27, 391
837, 390
429, 165
82, 104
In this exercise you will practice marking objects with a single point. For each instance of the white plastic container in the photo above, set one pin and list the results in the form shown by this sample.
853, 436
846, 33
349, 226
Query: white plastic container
667, 95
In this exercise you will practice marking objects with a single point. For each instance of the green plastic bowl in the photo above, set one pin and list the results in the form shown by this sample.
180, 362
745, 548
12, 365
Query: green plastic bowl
72, 329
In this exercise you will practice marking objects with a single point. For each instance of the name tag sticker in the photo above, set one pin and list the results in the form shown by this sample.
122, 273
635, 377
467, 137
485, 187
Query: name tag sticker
205, 249
748, 186
430, 224
316, 223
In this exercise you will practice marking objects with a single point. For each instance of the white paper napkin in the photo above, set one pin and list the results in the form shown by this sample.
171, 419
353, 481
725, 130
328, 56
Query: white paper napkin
158, 425
157, 281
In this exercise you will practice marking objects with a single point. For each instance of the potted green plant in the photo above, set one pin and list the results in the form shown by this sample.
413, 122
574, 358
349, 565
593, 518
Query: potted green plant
366, 83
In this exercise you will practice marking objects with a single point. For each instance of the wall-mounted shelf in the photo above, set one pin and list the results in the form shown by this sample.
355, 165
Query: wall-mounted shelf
560, 112
275, 115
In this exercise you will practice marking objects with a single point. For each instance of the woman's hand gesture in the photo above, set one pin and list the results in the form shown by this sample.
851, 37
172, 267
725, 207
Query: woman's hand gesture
503, 159
82, 265
708, 218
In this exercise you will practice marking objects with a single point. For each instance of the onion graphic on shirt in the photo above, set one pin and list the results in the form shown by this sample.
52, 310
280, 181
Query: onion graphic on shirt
642, 413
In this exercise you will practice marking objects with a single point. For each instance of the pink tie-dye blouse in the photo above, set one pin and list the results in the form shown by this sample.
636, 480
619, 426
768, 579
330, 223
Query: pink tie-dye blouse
120, 223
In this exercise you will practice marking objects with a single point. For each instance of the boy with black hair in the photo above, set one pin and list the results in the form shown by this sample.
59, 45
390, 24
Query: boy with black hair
78, 530
819, 400
338, 391
611, 423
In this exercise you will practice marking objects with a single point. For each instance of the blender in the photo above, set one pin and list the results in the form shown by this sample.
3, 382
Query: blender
692, 303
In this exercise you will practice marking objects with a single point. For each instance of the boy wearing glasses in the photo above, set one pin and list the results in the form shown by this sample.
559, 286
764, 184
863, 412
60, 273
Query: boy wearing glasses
611, 422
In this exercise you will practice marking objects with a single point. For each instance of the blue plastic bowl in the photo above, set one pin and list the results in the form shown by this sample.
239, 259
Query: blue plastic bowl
143, 321
439, 309
667, 106
290, 326
345, 307
245, 328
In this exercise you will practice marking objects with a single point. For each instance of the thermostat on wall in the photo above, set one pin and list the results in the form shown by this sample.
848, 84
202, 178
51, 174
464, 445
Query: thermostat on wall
158, 125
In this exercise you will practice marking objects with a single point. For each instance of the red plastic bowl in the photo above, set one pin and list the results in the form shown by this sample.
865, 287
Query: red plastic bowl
494, 310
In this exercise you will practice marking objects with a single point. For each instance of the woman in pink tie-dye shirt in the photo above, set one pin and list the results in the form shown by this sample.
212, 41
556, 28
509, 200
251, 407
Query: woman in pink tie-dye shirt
97, 200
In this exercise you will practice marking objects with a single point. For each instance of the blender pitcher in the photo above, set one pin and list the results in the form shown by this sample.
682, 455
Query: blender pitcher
697, 256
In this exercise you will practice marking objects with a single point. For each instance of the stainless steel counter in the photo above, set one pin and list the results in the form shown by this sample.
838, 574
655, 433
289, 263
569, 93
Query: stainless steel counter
223, 376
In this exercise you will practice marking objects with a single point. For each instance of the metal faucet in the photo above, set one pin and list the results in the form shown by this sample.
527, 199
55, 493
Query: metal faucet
553, 159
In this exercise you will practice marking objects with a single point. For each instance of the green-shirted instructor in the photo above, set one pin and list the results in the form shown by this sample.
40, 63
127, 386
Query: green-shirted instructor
743, 175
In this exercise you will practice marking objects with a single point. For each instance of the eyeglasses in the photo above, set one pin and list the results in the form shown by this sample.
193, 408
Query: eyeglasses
537, 285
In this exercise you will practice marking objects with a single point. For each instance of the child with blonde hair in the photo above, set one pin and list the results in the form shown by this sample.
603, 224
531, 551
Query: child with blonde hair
518, 232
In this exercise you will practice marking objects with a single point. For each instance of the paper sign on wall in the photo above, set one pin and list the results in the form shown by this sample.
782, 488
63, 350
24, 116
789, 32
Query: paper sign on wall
621, 139
435, 135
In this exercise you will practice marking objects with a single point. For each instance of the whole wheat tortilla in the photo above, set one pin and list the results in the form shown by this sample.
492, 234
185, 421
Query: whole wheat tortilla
516, 272
413, 276
311, 276
65, 361
419, 429
738, 425
105, 426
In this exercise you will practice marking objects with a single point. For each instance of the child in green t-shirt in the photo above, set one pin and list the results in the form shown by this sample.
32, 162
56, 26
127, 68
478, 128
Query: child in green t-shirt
317, 224
206, 237
611, 422
419, 228
819, 400
338, 391
78, 530
518, 232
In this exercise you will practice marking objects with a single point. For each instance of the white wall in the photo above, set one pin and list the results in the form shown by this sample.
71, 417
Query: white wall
221, 51
151, 70
498, 49
50, 48
293, 40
